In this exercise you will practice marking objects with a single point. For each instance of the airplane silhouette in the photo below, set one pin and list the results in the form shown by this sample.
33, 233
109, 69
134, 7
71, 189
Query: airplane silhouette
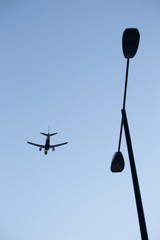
47, 145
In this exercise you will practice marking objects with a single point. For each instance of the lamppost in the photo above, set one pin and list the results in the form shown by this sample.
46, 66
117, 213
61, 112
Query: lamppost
130, 44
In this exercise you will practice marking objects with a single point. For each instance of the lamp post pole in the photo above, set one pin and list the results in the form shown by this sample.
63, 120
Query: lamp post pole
124, 103
140, 211
130, 45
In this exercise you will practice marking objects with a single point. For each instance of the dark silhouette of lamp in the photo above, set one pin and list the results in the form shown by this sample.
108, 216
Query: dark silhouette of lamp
130, 44
117, 162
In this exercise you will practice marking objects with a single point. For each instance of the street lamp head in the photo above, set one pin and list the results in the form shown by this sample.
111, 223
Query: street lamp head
130, 42
117, 164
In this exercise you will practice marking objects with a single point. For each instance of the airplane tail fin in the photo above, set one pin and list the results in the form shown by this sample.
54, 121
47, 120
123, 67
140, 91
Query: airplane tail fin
49, 134
52, 134
45, 134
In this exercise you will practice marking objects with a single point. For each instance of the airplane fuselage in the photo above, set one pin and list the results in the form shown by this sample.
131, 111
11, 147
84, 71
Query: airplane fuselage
47, 145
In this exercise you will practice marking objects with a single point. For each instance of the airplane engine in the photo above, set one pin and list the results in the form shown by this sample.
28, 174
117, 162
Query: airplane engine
53, 149
40, 149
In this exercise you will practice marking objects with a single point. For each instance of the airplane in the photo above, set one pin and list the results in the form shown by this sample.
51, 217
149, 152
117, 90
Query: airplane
47, 145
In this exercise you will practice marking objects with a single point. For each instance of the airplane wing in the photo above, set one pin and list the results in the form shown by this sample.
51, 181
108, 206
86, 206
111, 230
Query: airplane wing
57, 145
37, 145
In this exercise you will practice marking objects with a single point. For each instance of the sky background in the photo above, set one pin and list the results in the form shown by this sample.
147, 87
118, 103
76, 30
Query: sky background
62, 65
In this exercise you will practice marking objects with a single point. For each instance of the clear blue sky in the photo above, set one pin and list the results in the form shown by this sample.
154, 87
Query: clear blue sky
61, 64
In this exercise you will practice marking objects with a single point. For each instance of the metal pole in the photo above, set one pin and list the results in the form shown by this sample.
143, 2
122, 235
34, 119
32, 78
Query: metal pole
124, 103
140, 211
